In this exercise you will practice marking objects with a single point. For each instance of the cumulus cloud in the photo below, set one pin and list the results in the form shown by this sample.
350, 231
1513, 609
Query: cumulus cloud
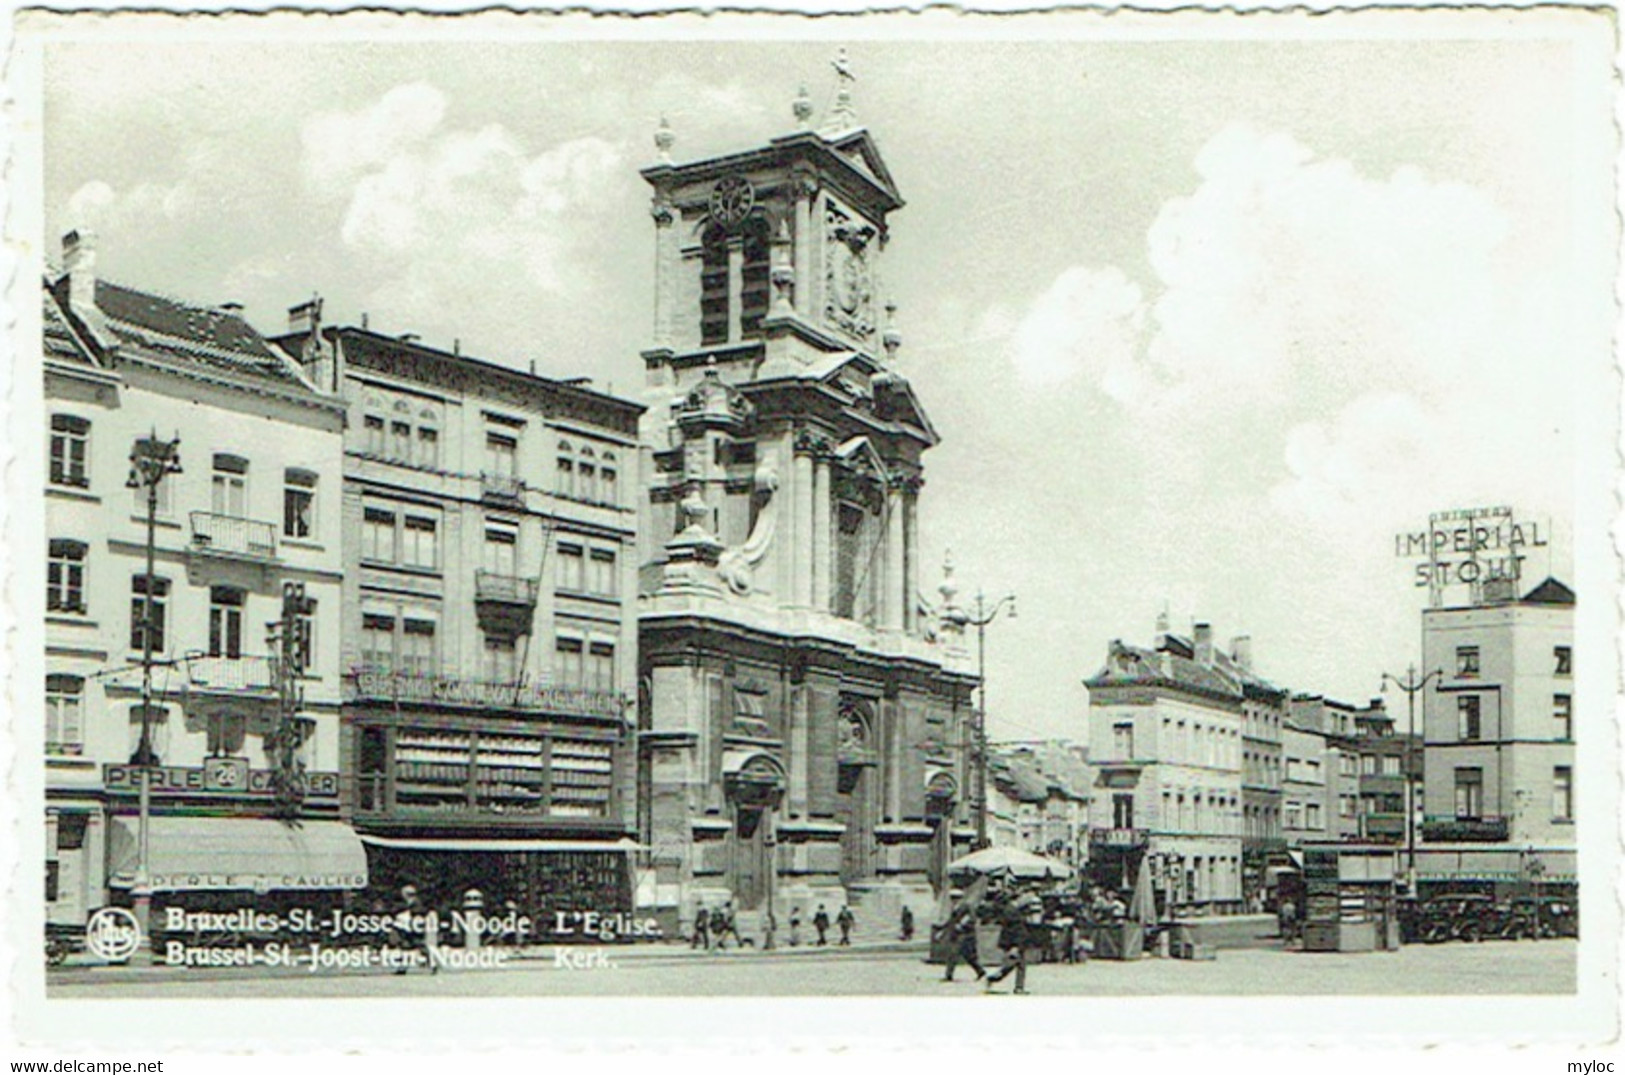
1089, 324
432, 202
98, 205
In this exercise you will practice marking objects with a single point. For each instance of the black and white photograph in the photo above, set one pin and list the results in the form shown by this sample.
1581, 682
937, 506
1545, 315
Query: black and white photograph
1029, 513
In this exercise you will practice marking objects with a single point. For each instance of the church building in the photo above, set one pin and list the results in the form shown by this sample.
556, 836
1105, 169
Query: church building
804, 714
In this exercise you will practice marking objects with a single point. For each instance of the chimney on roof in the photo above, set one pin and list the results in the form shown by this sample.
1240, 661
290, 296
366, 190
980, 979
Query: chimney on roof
1241, 651
305, 317
1162, 629
79, 259
1203, 639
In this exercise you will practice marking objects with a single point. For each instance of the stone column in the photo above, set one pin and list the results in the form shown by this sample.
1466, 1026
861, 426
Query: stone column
805, 193
820, 534
665, 270
911, 554
892, 608
796, 794
801, 543
736, 290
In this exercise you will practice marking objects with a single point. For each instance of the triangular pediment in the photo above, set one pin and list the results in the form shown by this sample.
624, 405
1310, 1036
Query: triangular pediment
860, 150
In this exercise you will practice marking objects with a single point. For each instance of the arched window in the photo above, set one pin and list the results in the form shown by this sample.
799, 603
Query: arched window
587, 475
714, 287
567, 469
607, 473
753, 277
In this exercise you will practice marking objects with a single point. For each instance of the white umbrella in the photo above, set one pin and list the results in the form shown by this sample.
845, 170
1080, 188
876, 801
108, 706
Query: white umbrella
993, 860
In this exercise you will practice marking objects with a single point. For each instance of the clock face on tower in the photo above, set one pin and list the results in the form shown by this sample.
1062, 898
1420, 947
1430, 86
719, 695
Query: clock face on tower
732, 199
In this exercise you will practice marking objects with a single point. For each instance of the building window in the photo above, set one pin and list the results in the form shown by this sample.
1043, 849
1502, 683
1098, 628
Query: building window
373, 435
70, 451
567, 663
1123, 740
1390, 765
400, 441
228, 489
225, 621
1123, 810
1348, 764
428, 447
714, 288
1469, 793
1294, 816
501, 548
378, 535
587, 475
226, 734
378, 641
501, 454
608, 494
1563, 793
1563, 657
753, 280
1466, 662
417, 657
298, 503
501, 659
1563, 714
307, 630
1311, 816
139, 624
571, 568
65, 576
567, 469
420, 542
605, 579
1368, 764
600, 666
1468, 718
64, 714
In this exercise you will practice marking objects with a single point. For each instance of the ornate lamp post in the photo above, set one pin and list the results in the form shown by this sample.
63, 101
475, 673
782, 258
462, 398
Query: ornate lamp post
151, 461
984, 615
1412, 687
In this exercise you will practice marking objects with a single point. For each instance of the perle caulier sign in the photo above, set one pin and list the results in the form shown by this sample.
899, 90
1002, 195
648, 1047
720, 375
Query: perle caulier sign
1469, 547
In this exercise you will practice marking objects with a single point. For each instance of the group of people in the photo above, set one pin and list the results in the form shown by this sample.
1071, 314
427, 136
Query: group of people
1018, 914
714, 926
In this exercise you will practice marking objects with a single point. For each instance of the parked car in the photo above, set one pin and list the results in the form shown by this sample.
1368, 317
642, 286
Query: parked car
1548, 916
1459, 916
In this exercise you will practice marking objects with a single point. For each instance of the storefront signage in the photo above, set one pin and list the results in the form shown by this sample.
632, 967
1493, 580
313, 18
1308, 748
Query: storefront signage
220, 777
483, 694
1470, 547
189, 881
1117, 837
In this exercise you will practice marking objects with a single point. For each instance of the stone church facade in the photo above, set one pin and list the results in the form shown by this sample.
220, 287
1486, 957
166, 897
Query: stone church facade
805, 713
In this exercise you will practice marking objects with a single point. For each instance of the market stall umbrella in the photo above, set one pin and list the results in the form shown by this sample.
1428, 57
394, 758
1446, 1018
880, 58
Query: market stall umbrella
1142, 905
994, 860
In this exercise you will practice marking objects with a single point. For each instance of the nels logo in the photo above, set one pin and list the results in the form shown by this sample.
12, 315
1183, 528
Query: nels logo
113, 934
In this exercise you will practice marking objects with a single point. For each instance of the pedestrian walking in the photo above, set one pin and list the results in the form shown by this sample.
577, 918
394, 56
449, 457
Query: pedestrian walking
730, 924
702, 928
907, 931
845, 921
1023, 917
821, 925
1288, 919
719, 928
960, 931
795, 927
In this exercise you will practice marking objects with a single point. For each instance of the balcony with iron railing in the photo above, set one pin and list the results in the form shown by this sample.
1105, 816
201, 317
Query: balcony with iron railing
453, 691
230, 535
501, 488
505, 589
221, 674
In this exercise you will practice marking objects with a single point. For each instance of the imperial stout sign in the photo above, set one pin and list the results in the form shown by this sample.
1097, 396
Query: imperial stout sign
1469, 547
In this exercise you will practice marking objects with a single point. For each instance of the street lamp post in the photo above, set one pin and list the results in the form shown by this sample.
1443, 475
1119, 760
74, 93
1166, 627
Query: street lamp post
984, 615
1412, 687
151, 461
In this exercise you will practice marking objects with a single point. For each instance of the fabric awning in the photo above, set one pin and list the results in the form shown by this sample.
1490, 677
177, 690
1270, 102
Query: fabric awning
239, 853
434, 843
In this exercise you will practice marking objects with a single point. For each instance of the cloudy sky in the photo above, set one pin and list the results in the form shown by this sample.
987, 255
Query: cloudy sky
1205, 310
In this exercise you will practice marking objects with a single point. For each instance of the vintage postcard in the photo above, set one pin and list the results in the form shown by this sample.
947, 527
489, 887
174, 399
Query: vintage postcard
509, 511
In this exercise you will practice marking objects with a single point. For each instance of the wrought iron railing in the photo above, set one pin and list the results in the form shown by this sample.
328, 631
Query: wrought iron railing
230, 534
231, 673
512, 589
503, 487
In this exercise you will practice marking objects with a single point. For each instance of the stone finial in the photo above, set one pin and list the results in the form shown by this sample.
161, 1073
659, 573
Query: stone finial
664, 140
891, 339
783, 273
842, 117
803, 108
949, 589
